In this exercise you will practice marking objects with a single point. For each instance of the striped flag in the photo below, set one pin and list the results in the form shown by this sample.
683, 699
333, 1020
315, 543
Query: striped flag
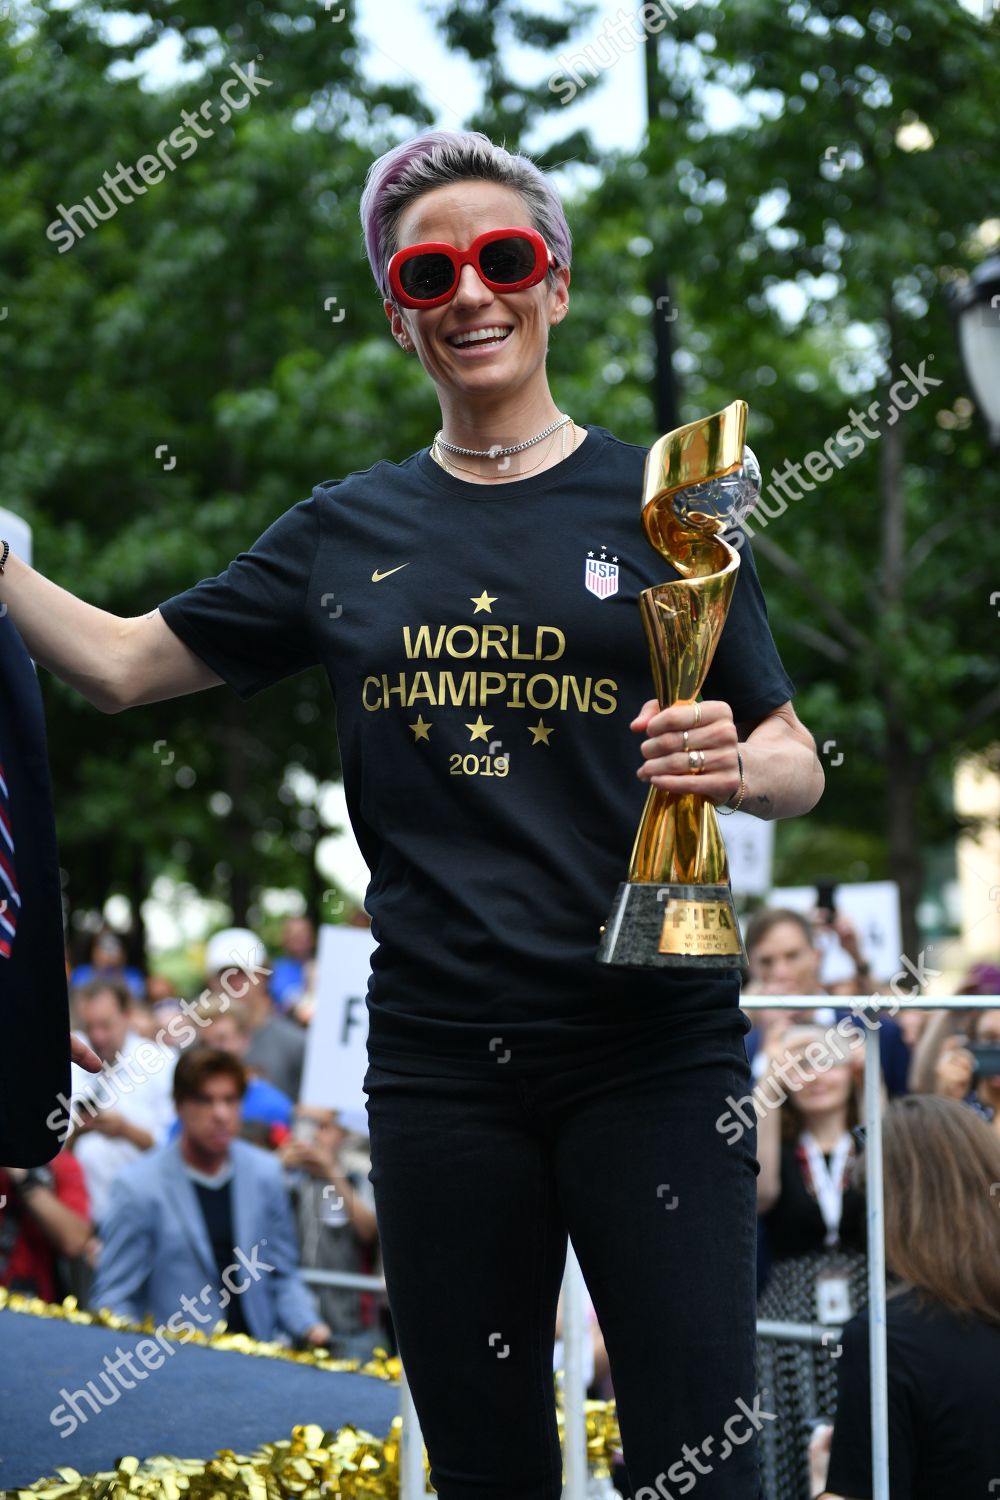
10, 896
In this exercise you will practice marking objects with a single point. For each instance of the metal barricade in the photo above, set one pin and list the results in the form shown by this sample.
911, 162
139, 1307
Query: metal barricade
783, 1461
862, 1007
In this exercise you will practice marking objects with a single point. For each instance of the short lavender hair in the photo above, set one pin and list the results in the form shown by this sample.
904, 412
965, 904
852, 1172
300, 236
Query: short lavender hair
438, 157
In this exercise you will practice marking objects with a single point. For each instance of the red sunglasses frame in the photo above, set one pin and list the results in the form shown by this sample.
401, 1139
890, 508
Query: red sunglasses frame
459, 258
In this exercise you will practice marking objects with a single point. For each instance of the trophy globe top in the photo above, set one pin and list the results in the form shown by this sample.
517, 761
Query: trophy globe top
700, 480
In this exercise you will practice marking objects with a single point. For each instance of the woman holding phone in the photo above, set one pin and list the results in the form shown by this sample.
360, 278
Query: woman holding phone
958, 1055
498, 741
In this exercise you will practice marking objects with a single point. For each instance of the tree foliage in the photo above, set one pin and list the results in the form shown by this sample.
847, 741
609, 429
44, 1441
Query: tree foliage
195, 364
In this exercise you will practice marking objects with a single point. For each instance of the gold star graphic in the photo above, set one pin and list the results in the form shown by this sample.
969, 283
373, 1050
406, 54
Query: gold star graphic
477, 731
483, 602
541, 732
420, 729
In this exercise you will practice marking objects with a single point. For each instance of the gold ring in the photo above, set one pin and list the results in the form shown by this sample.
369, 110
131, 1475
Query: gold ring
696, 761
697, 716
684, 738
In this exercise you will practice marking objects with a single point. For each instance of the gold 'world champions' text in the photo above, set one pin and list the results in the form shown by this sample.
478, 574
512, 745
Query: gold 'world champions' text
475, 687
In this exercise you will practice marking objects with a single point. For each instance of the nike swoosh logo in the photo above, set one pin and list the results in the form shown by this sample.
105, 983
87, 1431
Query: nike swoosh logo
377, 576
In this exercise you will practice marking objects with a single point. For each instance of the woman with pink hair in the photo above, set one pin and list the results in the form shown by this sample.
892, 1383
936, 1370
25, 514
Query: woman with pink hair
475, 609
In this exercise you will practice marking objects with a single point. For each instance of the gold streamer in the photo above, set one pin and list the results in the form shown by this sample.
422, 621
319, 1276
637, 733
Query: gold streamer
382, 1365
313, 1464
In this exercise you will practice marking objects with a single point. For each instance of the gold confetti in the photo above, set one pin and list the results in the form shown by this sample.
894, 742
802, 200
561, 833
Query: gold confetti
311, 1464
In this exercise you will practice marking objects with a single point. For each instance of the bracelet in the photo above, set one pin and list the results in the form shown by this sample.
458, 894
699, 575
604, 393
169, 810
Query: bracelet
743, 791
6, 554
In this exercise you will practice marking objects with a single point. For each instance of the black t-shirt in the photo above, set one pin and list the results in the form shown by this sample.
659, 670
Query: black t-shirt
794, 1224
944, 1433
217, 1211
484, 692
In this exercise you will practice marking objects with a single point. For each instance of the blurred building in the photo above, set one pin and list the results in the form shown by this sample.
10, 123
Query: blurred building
977, 804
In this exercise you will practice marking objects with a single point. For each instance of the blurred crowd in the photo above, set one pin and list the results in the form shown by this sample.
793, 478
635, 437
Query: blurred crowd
190, 1148
940, 1097
194, 1186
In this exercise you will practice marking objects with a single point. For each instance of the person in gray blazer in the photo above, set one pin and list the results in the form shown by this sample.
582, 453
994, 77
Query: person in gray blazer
201, 1229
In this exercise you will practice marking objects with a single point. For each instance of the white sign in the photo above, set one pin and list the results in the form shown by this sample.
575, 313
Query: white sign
336, 1041
750, 849
873, 909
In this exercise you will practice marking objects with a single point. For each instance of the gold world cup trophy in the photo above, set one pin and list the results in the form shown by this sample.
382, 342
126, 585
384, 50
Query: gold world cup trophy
676, 909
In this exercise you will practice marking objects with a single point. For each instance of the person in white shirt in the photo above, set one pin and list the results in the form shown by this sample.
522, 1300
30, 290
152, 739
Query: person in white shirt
128, 1107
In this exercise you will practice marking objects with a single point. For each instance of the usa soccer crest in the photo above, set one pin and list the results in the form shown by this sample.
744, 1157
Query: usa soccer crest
600, 575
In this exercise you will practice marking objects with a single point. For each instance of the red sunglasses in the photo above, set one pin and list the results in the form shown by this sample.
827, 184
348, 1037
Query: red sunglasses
506, 260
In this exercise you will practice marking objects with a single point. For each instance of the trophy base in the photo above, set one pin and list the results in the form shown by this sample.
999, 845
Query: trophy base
653, 926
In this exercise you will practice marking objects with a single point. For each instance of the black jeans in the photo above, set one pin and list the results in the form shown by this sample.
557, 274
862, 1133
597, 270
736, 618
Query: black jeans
477, 1182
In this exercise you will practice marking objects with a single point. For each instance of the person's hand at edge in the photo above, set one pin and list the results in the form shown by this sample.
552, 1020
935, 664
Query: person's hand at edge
82, 1055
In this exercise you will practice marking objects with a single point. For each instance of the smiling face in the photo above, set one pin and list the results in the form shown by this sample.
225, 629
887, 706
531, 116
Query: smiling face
822, 1091
494, 367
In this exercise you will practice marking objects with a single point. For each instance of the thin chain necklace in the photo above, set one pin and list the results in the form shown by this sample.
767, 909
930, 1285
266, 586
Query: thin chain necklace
459, 469
496, 451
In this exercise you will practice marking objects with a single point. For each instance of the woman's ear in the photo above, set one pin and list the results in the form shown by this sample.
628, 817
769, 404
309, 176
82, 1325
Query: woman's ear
399, 330
560, 296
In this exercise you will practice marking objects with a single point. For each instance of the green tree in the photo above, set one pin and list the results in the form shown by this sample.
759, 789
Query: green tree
199, 320
180, 380
810, 247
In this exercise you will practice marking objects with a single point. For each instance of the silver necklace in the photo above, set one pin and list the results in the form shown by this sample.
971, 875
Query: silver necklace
496, 451
458, 470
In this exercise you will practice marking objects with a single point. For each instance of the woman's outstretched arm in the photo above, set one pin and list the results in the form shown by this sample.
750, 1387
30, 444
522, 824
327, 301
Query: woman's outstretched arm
115, 662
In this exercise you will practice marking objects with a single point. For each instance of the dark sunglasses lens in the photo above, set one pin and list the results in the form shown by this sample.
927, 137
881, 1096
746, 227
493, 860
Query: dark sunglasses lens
505, 261
427, 276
